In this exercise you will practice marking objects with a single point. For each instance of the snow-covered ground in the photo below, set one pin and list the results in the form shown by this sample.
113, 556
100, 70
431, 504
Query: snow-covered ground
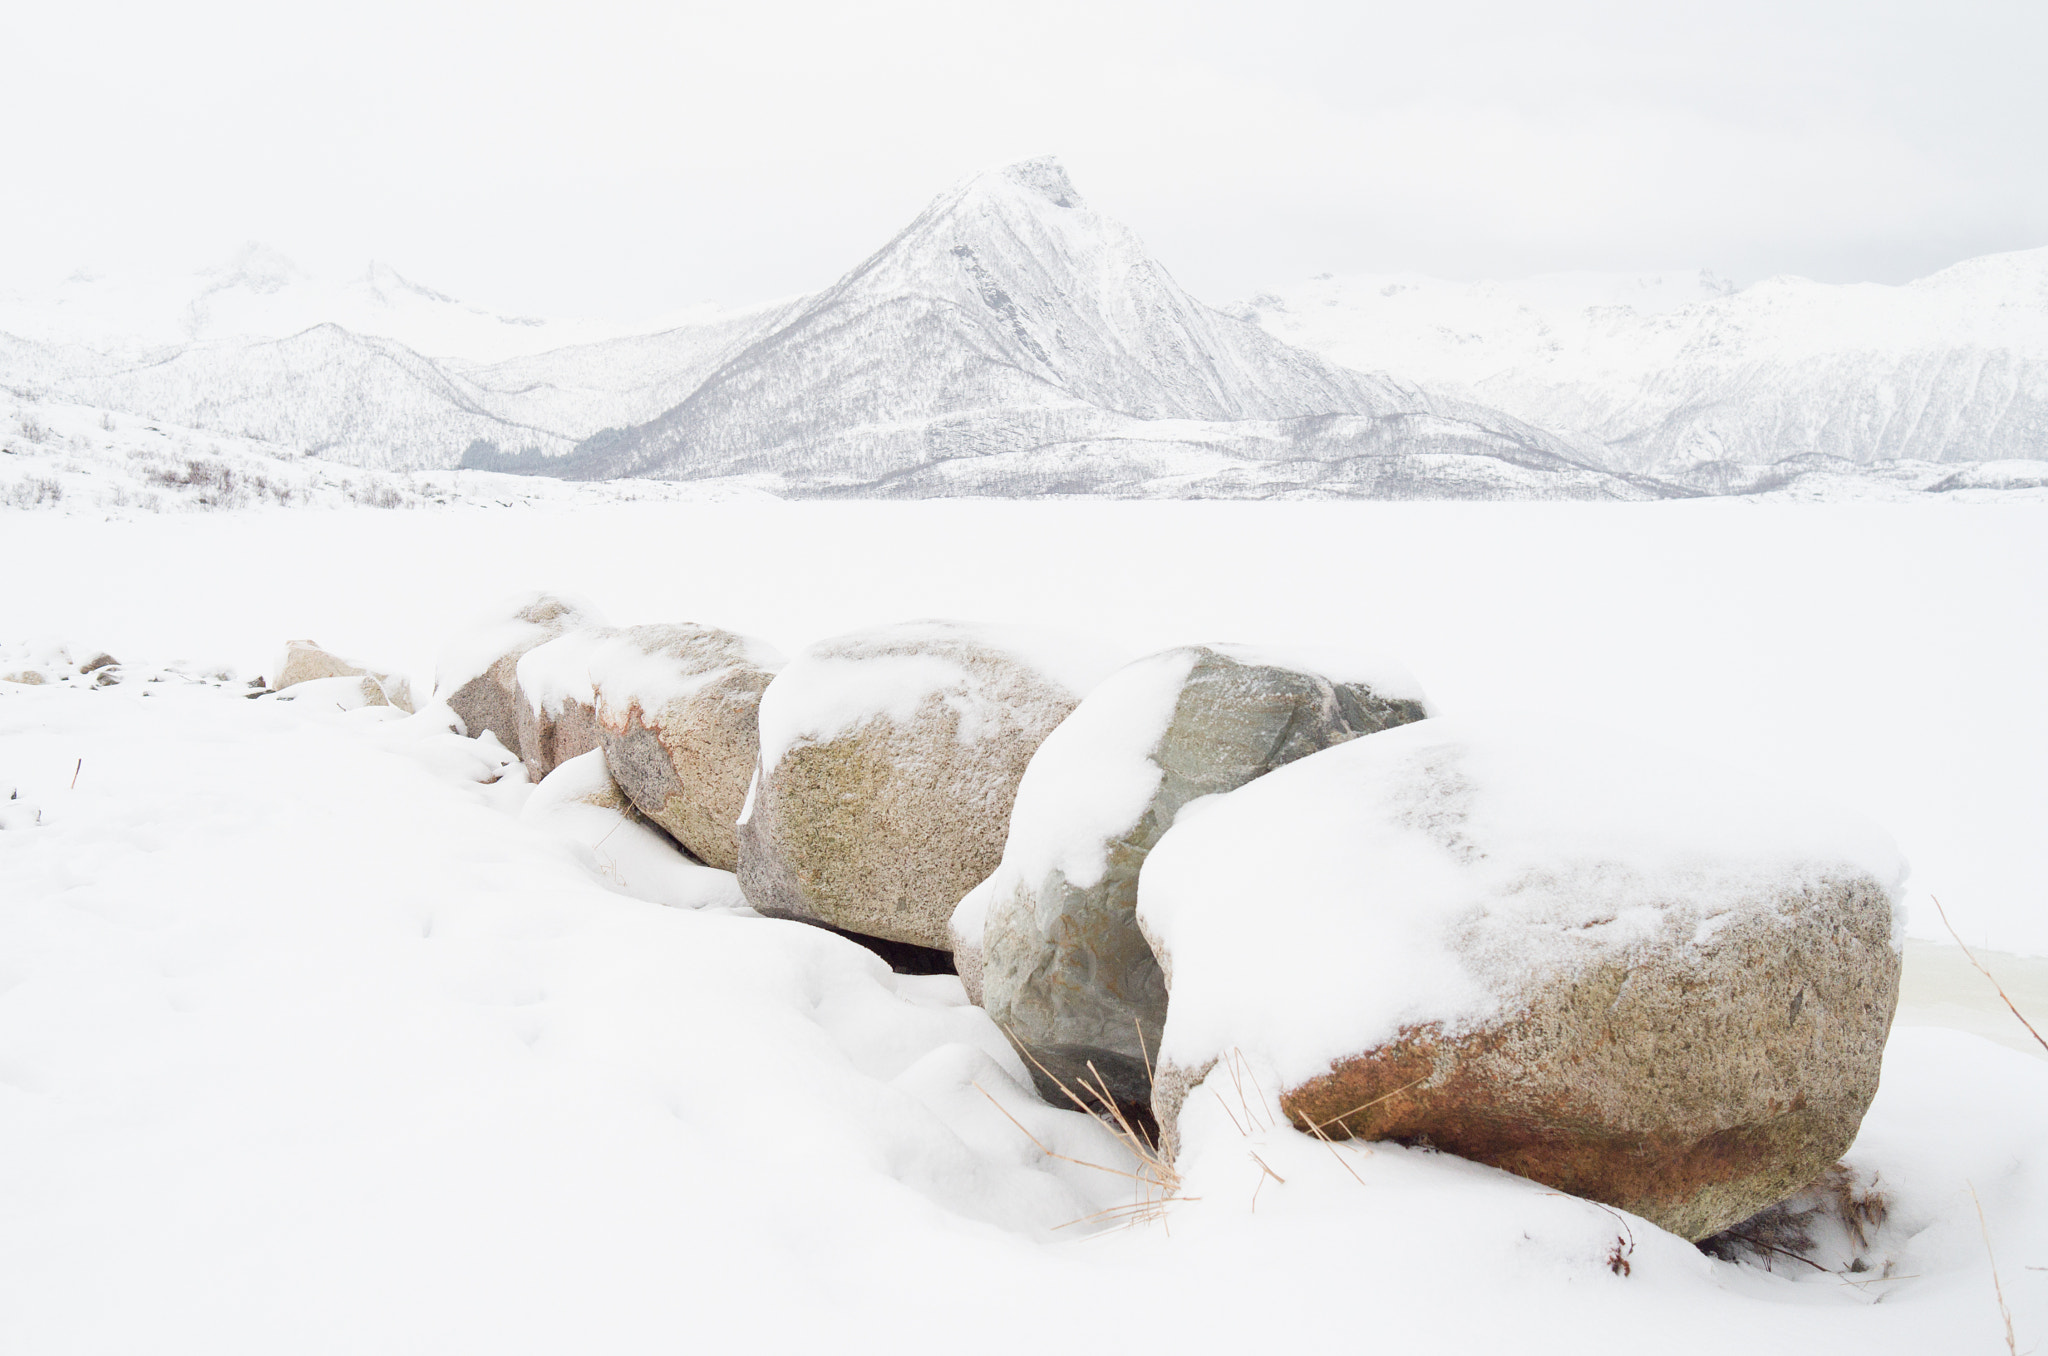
311, 1041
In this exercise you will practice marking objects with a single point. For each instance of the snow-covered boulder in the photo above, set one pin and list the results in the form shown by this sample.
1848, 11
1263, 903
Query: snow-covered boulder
678, 712
477, 672
556, 711
889, 759
304, 661
1061, 964
1635, 977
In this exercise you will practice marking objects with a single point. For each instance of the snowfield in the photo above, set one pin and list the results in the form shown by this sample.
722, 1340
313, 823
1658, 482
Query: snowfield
322, 1031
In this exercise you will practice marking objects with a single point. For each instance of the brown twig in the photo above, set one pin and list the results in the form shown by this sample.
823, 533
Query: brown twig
1987, 974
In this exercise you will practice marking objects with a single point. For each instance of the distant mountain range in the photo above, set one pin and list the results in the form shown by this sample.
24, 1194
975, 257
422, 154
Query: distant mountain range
1686, 378
1012, 341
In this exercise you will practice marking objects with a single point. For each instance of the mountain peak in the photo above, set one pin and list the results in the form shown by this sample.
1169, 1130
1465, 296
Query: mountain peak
1046, 177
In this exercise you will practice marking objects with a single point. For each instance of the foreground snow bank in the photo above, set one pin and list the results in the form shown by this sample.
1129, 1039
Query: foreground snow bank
309, 1042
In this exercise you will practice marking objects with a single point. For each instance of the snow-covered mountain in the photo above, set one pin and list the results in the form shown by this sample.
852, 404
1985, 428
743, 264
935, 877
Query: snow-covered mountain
364, 396
1011, 340
1681, 376
258, 293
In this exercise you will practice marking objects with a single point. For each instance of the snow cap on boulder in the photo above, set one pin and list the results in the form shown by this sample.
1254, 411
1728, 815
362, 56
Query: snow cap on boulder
1053, 935
678, 717
1634, 976
476, 674
889, 759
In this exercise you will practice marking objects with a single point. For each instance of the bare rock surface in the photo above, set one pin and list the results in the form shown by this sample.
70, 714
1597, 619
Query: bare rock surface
1060, 962
677, 714
1638, 978
889, 759
478, 672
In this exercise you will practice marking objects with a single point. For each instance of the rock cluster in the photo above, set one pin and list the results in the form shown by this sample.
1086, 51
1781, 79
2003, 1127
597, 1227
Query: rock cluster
1635, 979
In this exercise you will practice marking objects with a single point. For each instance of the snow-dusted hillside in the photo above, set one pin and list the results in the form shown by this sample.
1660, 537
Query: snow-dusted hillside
1681, 376
262, 350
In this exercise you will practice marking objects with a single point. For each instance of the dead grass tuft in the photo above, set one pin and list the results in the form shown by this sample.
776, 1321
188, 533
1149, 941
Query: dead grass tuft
1156, 1180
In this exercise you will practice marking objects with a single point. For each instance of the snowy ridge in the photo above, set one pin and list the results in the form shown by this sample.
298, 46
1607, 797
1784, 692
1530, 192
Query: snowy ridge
1683, 376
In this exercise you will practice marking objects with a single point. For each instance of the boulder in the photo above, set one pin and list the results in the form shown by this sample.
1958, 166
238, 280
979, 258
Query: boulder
678, 717
889, 759
556, 716
1062, 966
477, 671
1635, 977
305, 662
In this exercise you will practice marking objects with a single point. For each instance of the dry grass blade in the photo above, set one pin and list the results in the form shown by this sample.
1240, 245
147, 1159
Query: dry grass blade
1997, 1287
1338, 1119
1331, 1145
1228, 1112
1267, 1169
1971, 957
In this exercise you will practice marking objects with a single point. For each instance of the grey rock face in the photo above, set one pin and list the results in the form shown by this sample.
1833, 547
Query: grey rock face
876, 812
485, 689
677, 714
1064, 968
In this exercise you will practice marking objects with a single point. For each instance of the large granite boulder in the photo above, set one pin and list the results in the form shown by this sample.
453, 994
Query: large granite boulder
889, 759
678, 716
1637, 978
556, 716
1059, 961
477, 674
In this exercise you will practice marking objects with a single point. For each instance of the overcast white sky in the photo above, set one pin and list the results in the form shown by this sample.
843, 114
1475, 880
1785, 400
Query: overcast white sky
622, 159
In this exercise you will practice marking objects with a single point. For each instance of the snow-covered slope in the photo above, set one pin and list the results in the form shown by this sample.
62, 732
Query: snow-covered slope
372, 401
1681, 376
1011, 340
